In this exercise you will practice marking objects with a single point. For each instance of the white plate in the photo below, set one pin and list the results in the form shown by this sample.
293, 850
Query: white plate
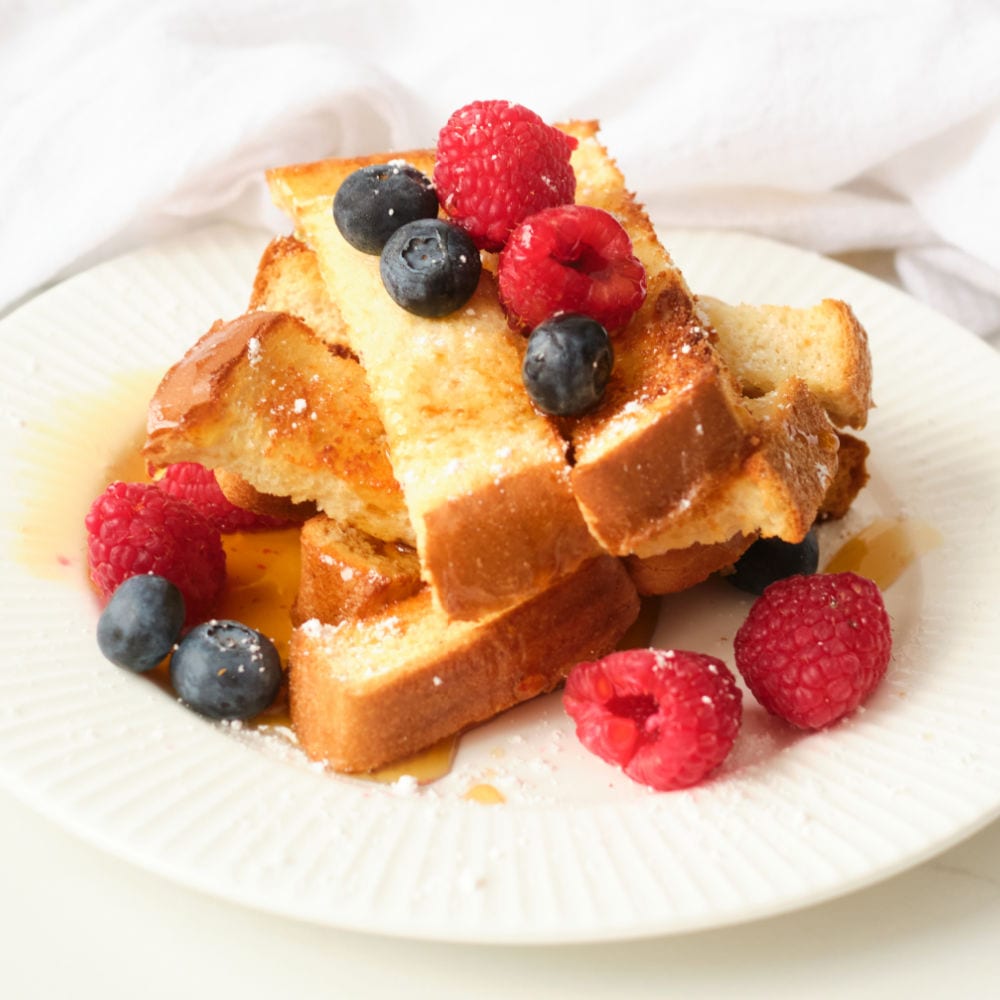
577, 852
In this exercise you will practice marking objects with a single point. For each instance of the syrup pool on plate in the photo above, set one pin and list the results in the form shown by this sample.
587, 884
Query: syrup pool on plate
884, 549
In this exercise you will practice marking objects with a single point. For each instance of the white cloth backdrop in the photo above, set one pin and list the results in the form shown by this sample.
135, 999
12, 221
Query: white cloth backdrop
841, 126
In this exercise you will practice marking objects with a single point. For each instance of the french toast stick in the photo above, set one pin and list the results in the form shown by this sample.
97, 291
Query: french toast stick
484, 475
366, 692
672, 424
677, 569
824, 345
348, 573
777, 489
264, 398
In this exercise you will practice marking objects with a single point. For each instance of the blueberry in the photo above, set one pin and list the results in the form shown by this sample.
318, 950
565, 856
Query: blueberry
567, 364
226, 670
375, 201
141, 622
771, 559
430, 267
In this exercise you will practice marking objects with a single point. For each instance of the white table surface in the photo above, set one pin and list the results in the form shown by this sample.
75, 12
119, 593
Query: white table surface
76, 922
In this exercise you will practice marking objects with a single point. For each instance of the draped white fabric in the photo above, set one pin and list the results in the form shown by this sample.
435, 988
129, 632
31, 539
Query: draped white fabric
845, 126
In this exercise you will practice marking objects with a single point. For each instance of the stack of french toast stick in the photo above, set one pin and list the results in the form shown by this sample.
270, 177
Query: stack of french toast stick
461, 551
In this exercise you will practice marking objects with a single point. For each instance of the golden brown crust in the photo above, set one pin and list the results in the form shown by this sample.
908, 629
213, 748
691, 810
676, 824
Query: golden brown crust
777, 489
824, 345
850, 480
857, 368
191, 388
288, 280
347, 573
239, 492
678, 569
263, 397
437, 676
478, 464
653, 477
482, 547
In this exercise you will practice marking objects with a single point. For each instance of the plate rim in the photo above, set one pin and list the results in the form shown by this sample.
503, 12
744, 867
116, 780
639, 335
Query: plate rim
62, 814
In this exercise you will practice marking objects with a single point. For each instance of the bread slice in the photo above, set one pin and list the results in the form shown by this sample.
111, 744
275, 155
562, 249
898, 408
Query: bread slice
824, 345
827, 349
776, 493
348, 574
364, 693
288, 280
851, 478
484, 475
672, 425
263, 397
779, 486
240, 493
678, 569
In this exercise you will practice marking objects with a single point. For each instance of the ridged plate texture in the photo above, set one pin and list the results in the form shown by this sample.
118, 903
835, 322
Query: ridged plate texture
576, 852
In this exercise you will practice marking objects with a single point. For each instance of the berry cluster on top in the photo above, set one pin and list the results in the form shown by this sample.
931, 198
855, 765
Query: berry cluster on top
566, 273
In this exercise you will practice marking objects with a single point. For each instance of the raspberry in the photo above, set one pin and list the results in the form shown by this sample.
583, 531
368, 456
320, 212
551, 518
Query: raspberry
813, 648
570, 259
197, 484
135, 528
667, 718
497, 163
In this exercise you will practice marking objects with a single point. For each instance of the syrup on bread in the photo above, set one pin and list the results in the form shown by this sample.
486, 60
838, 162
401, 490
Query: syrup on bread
263, 397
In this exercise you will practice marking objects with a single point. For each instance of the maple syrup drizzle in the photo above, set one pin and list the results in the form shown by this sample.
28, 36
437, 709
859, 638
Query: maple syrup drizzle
884, 549
485, 794
426, 766
262, 580
50, 542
